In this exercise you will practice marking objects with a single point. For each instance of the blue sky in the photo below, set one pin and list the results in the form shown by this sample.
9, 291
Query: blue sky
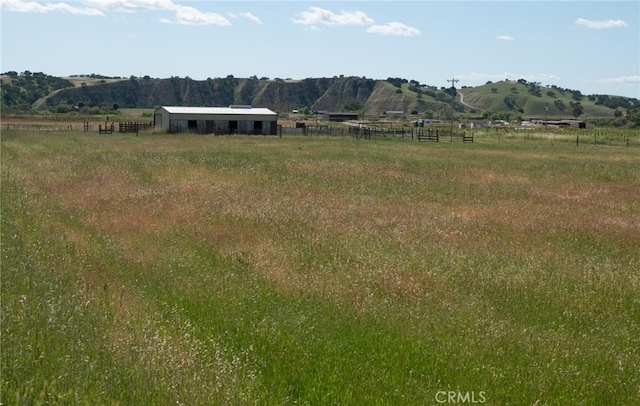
589, 46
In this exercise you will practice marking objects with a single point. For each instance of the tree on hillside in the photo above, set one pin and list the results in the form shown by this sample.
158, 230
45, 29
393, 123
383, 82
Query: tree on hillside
416, 89
497, 115
305, 111
601, 99
451, 91
534, 89
577, 109
576, 95
397, 82
633, 115
510, 103
560, 105
430, 93
442, 97
352, 106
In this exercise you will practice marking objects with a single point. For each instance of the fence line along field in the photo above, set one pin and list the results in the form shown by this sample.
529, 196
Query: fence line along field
166, 269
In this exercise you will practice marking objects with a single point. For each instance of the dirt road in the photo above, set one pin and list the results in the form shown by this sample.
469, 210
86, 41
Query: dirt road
465, 104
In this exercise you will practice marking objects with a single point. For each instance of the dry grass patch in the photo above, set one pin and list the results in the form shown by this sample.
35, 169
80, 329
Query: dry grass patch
599, 208
488, 176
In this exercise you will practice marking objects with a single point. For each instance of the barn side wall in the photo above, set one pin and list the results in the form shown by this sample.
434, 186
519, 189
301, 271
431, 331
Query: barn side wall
209, 126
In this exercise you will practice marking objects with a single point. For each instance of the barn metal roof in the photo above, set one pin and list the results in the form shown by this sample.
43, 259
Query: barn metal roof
242, 110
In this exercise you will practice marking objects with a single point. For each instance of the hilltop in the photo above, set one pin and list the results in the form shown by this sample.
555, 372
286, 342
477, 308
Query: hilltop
532, 99
504, 99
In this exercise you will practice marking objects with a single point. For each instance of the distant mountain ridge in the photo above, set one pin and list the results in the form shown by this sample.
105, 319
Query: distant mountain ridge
39, 91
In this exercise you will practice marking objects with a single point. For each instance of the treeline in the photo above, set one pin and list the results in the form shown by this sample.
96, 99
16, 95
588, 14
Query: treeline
21, 90
613, 102
96, 76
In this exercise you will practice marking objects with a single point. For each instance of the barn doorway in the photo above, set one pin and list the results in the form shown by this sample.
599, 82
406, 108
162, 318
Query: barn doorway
257, 127
209, 128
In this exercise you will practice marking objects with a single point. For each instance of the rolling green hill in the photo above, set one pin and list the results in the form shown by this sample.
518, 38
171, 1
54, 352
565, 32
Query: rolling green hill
531, 99
27, 91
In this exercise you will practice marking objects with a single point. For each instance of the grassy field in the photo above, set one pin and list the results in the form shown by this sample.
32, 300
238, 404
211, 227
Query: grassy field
191, 270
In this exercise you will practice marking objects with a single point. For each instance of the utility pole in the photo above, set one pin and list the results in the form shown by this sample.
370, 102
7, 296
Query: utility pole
453, 89
546, 111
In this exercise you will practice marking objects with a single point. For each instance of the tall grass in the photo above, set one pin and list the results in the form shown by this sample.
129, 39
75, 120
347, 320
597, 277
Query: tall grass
196, 270
614, 137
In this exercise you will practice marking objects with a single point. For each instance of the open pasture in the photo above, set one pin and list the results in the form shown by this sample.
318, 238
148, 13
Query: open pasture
191, 270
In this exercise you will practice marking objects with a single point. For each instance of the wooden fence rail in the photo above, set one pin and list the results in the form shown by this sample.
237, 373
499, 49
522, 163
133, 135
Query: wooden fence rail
133, 127
107, 129
436, 135
428, 135
41, 127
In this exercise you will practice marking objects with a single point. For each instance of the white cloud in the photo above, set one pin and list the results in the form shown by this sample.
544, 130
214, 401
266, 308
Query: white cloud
186, 15
622, 79
506, 37
183, 14
600, 24
130, 6
319, 16
394, 28
35, 7
248, 16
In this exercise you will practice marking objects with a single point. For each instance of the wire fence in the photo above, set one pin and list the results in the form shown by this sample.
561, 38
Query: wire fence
101, 128
582, 137
601, 137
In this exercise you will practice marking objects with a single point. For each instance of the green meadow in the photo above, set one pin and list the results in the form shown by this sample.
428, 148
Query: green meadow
194, 270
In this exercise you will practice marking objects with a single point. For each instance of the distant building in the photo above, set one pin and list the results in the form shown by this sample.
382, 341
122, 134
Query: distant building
498, 123
238, 119
340, 116
565, 123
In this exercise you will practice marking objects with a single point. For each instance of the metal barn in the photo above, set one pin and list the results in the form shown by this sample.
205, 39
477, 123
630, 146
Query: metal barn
217, 120
339, 117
